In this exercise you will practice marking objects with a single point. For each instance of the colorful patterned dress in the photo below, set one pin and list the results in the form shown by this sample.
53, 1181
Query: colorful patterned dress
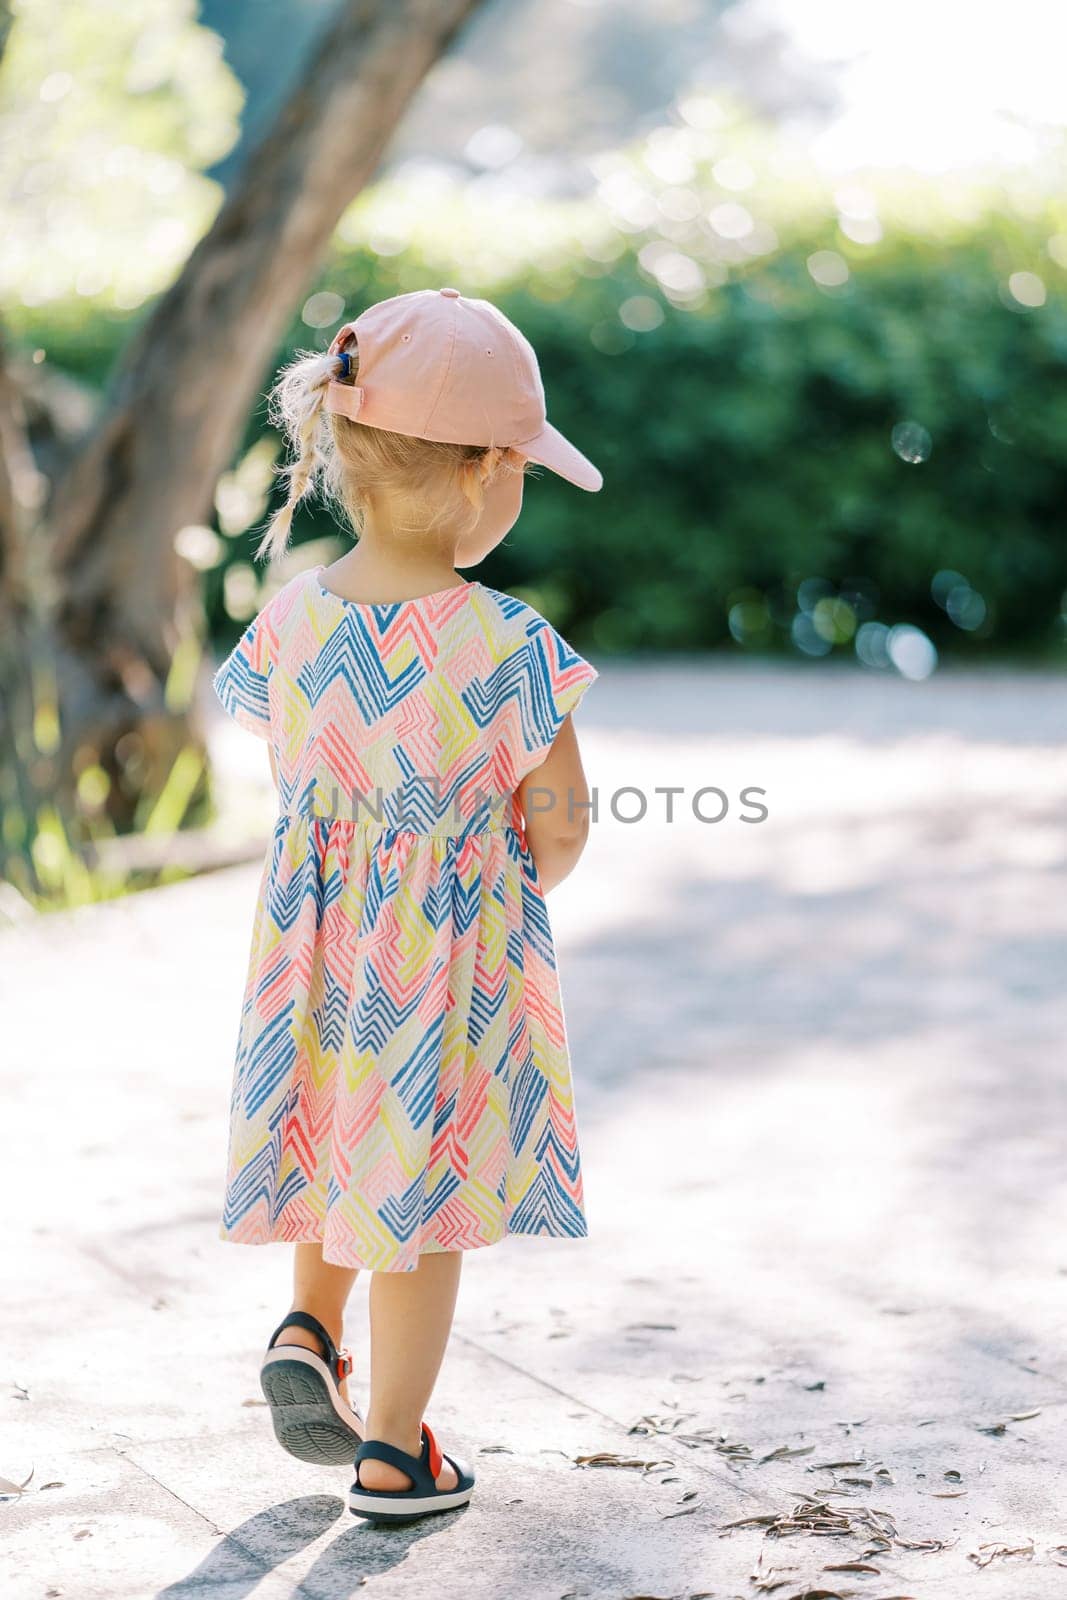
403, 1078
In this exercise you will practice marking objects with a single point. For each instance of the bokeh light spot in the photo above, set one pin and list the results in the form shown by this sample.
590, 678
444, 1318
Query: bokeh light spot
733, 172
55, 86
966, 607
833, 620
911, 442
493, 146
1027, 288
806, 636
749, 620
811, 591
320, 310
730, 220
861, 230
828, 269
640, 313
872, 644
911, 652
943, 583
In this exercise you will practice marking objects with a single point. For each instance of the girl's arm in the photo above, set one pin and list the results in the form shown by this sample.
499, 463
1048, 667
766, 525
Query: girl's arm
555, 803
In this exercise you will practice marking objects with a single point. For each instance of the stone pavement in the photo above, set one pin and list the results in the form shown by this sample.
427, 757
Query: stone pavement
820, 1088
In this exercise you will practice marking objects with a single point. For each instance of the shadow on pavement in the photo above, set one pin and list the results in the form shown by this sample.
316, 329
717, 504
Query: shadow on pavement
238, 1565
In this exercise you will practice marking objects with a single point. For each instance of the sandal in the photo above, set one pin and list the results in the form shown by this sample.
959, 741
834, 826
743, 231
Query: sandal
404, 1505
311, 1419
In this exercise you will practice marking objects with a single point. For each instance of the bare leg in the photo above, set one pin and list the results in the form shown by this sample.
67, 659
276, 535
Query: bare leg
411, 1318
321, 1290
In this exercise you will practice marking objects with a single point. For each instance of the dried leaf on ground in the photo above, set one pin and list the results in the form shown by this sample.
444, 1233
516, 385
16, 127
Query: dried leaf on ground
685, 1512
608, 1458
812, 1386
767, 1579
832, 1466
852, 1566
733, 1449
650, 1423
9, 1487
816, 1517
1024, 1416
785, 1452
656, 1327
996, 1550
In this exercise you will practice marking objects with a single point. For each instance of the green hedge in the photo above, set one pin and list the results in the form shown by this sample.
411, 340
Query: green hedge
747, 446
747, 449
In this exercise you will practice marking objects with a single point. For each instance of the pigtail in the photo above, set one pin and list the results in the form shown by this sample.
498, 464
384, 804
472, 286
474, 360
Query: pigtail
346, 461
296, 408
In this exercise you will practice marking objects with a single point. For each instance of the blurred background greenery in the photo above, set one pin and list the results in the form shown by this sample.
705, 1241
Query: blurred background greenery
827, 396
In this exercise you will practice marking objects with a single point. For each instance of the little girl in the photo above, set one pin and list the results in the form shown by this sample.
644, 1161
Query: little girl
403, 1087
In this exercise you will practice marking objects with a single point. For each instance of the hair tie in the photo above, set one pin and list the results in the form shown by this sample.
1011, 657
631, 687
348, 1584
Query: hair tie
346, 363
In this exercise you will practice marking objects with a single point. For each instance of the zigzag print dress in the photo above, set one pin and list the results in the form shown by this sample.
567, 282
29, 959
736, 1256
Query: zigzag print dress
403, 1077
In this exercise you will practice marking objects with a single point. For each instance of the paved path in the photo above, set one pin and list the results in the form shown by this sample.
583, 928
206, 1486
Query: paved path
820, 1085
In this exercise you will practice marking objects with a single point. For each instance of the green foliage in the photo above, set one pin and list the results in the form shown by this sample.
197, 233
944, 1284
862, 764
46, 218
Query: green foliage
747, 447
742, 396
108, 113
60, 846
807, 403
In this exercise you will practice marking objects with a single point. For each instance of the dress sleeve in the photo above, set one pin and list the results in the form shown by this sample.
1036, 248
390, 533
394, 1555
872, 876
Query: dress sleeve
552, 681
243, 679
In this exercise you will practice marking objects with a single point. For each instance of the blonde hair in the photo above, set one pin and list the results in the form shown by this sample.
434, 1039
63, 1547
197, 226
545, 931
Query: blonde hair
348, 461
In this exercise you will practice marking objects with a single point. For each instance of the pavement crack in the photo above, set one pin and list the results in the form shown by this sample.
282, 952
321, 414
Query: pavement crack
125, 1456
615, 1422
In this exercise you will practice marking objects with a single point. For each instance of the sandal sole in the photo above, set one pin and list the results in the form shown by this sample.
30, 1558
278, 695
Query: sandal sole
306, 1422
374, 1508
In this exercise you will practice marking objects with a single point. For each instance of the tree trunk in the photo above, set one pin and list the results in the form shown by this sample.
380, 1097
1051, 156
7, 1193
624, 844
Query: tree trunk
122, 599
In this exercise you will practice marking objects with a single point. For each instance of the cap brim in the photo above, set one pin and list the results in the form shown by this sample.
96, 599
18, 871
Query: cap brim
550, 449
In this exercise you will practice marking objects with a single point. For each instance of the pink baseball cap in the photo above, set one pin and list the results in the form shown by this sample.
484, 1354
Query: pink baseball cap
436, 364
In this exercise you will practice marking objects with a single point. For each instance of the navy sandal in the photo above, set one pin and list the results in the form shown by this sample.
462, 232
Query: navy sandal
311, 1419
404, 1505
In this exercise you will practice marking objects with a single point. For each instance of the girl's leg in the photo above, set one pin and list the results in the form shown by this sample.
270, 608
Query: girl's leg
411, 1319
321, 1290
